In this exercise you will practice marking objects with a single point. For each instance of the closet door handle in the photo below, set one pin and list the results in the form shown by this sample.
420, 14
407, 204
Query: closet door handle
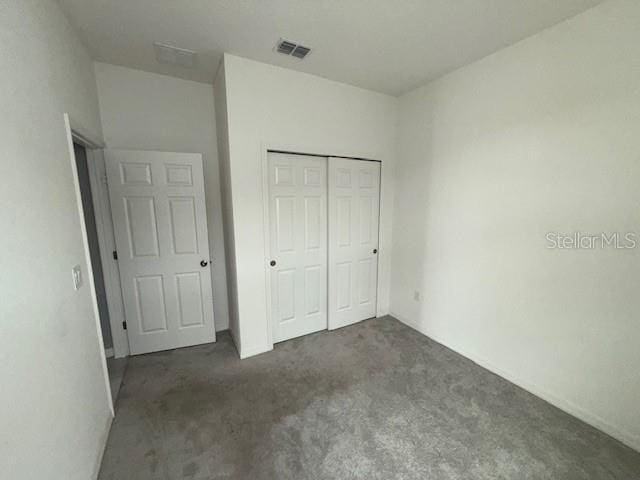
272, 263
375, 250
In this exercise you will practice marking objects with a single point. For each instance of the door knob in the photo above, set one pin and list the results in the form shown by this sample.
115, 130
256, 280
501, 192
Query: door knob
272, 263
204, 263
375, 250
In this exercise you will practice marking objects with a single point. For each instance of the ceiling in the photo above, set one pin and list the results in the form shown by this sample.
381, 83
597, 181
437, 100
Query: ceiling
390, 46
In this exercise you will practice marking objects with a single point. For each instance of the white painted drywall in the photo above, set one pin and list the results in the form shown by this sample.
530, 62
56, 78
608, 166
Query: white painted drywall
147, 111
542, 136
222, 125
269, 106
54, 408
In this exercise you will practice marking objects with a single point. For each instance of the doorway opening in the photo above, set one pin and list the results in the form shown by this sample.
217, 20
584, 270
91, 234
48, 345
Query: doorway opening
115, 366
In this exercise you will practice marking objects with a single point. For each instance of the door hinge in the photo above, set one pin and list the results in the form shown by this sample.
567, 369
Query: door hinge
124, 325
115, 255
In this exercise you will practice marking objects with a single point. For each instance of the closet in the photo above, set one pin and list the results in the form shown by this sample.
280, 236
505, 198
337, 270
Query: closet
323, 226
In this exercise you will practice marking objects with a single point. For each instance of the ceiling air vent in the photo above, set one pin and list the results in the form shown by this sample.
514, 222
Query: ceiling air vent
285, 47
300, 51
288, 47
174, 55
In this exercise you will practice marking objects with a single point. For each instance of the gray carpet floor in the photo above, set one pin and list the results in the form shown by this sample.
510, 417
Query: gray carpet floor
116, 368
373, 401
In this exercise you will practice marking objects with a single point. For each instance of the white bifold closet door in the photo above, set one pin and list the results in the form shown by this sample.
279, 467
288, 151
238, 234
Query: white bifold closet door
354, 206
160, 224
298, 244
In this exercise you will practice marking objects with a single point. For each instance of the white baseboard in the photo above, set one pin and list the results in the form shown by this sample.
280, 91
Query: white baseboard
250, 352
103, 446
108, 352
628, 438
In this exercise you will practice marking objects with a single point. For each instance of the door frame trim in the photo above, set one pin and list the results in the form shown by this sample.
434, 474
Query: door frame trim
106, 240
106, 236
265, 149
75, 130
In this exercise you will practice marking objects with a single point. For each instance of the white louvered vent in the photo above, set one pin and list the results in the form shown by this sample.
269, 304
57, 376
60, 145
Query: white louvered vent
287, 47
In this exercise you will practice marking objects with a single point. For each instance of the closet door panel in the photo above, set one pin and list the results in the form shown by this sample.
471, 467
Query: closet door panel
298, 244
354, 208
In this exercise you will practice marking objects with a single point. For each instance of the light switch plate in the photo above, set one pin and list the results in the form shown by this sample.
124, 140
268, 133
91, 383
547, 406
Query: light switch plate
77, 277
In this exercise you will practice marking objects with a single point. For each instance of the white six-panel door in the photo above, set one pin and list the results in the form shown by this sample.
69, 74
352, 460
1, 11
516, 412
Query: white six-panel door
158, 208
298, 244
354, 198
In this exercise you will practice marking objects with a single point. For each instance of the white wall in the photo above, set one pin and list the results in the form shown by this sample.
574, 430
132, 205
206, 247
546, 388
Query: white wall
274, 107
54, 405
147, 111
542, 136
222, 124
